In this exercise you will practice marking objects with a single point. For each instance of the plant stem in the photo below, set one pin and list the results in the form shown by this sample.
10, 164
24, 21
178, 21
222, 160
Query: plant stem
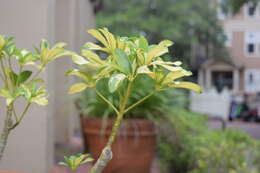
4, 74
21, 117
107, 101
139, 101
6, 131
107, 153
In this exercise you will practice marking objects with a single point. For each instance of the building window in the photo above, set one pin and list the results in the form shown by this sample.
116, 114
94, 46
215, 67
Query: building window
228, 38
252, 43
251, 11
250, 48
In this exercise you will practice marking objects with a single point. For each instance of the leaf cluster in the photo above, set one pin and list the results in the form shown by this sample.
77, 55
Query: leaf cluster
19, 73
73, 162
128, 71
126, 59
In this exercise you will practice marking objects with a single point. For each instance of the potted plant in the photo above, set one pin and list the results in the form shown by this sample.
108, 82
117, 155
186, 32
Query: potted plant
123, 63
18, 82
137, 131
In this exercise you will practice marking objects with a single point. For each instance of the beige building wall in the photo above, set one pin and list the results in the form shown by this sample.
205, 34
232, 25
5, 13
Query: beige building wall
30, 147
238, 26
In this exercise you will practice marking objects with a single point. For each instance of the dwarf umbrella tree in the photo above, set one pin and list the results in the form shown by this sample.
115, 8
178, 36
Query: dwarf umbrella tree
21, 83
126, 58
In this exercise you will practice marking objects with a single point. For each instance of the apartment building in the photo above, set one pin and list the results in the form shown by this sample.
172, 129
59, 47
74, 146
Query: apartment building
243, 42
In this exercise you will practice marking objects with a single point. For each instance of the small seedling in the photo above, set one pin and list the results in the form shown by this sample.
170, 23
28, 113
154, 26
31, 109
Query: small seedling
73, 162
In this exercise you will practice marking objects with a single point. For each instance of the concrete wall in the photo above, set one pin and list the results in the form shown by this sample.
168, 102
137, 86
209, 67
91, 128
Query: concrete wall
73, 18
30, 147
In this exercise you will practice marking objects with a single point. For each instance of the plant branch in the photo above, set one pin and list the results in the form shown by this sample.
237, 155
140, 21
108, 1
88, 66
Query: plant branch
6, 131
37, 73
107, 101
21, 117
4, 74
107, 154
139, 101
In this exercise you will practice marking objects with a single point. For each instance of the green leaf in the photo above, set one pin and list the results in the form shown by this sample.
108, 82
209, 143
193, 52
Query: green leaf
144, 70
156, 51
23, 77
187, 85
79, 74
92, 46
13, 77
5, 93
79, 60
143, 44
166, 43
2, 42
87, 160
122, 61
10, 48
92, 57
44, 44
95, 33
115, 81
40, 100
78, 87
62, 164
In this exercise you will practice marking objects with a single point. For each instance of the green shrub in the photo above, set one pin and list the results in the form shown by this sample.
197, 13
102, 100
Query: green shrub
226, 151
196, 149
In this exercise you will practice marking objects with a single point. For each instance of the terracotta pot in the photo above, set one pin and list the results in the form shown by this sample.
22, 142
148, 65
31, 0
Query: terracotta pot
133, 150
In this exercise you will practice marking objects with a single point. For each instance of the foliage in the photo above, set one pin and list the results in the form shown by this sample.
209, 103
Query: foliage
91, 104
175, 142
125, 60
196, 149
73, 162
229, 151
186, 22
23, 83
17, 84
235, 5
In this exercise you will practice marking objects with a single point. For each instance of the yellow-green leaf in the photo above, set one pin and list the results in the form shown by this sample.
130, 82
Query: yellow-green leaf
166, 43
79, 59
92, 57
2, 41
79, 74
59, 45
144, 70
78, 87
95, 33
40, 100
115, 81
5, 93
93, 46
110, 38
156, 52
187, 85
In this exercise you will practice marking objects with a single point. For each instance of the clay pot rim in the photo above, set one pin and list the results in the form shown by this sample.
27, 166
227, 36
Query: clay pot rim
142, 133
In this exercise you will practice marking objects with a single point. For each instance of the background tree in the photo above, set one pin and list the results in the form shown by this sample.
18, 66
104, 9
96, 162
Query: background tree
235, 5
192, 25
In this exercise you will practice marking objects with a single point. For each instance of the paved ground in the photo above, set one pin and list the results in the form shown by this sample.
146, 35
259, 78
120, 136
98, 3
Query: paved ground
251, 128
